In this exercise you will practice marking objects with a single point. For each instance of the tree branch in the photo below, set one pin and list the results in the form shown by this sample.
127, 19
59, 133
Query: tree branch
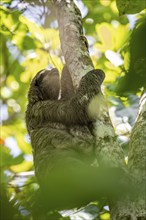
73, 43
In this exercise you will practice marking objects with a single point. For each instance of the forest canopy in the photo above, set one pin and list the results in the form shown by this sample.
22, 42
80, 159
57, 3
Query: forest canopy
29, 36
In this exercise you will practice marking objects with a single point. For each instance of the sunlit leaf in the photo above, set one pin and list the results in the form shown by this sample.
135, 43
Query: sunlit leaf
49, 38
6, 1
127, 60
9, 19
110, 37
105, 216
56, 62
35, 61
24, 42
121, 36
112, 73
24, 166
105, 33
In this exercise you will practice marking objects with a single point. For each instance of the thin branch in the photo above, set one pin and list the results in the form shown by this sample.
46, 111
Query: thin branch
10, 185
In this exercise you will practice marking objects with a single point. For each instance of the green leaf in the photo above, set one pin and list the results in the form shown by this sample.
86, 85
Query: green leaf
111, 38
7, 159
22, 167
134, 77
5, 1
9, 19
24, 42
130, 6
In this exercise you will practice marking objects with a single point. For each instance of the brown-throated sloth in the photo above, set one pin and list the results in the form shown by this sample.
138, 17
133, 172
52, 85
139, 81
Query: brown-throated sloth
42, 109
48, 119
55, 148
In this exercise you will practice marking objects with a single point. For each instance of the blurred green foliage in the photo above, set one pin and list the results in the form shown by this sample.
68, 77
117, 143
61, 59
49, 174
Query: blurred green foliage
137, 67
130, 6
30, 42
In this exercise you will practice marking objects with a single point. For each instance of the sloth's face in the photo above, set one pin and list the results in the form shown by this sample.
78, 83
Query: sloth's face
48, 82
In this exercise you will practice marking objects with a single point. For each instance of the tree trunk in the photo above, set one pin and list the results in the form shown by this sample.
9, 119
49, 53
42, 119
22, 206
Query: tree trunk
108, 151
134, 207
73, 43
79, 63
137, 160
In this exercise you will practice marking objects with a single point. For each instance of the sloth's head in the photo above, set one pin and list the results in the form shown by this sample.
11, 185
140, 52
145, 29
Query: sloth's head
48, 83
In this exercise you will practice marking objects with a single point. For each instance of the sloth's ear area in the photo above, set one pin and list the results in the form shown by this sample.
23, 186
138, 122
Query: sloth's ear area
48, 83
39, 77
44, 74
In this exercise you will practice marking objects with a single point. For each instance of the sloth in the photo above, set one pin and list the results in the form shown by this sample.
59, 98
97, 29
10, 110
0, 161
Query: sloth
59, 127
73, 111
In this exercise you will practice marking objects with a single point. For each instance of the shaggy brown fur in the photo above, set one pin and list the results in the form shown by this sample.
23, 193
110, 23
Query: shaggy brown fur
59, 131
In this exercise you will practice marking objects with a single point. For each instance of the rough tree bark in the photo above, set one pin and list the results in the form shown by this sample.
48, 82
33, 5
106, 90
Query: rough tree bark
134, 207
79, 63
73, 42
137, 160
108, 151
